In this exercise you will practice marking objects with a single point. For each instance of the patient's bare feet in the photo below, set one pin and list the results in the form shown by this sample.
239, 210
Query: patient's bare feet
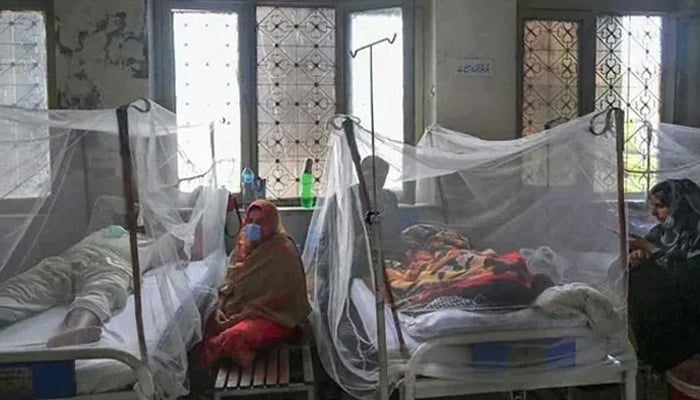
81, 326
75, 337
80, 318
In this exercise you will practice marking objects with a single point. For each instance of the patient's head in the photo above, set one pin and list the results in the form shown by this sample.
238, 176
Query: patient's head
380, 166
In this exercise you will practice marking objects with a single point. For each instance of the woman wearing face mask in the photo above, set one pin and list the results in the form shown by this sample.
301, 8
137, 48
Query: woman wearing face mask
263, 298
664, 287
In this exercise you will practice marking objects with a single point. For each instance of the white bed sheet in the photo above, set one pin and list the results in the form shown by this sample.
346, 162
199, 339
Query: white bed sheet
453, 362
417, 329
103, 376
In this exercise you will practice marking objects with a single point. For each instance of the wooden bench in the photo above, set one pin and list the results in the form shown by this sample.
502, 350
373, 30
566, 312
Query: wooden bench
283, 369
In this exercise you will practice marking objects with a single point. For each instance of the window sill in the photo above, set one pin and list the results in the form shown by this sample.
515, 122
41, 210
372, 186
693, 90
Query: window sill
402, 206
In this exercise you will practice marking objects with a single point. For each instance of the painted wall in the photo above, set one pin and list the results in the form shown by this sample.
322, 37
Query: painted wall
102, 52
482, 105
101, 63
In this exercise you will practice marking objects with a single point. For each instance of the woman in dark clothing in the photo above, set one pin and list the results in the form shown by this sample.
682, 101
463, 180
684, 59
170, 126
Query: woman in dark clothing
664, 290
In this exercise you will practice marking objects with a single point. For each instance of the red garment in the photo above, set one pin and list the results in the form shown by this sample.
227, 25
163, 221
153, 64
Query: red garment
242, 341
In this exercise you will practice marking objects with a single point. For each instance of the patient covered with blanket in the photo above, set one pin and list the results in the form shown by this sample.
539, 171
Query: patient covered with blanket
93, 278
442, 270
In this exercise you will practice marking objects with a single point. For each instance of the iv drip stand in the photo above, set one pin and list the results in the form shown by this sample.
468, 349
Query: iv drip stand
373, 222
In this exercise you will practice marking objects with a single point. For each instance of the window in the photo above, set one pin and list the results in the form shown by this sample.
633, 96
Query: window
207, 91
550, 73
267, 77
296, 93
624, 70
628, 66
23, 83
367, 27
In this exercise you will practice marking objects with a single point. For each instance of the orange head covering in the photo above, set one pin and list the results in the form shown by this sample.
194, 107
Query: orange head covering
270, 225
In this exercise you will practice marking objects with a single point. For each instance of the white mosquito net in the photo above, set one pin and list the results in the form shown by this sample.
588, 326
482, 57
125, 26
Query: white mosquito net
517, 238
64, 245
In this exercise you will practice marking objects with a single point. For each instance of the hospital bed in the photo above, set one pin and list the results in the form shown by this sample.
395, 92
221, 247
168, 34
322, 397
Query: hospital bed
451, 352
111, 368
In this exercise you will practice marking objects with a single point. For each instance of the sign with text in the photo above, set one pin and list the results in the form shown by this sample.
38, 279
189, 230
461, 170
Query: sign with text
474, 67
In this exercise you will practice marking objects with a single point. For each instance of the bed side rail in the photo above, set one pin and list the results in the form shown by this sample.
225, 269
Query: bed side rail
490, 337
145, 388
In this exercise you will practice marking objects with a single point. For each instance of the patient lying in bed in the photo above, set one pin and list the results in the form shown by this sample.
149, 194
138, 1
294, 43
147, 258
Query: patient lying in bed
441, 269
93, 277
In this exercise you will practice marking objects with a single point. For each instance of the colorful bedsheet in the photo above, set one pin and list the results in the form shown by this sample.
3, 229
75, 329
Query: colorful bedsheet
441, 270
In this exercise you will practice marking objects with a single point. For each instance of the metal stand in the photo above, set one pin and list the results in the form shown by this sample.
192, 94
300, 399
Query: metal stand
374, 225
617, 116
132, 224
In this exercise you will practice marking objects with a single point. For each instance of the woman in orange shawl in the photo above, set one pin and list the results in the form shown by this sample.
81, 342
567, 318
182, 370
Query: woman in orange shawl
263, 298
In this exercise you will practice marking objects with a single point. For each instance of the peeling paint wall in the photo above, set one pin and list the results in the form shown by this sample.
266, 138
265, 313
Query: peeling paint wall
101, 52
101, 62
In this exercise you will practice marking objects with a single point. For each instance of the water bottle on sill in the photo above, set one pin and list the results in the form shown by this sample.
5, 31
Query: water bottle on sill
307, 185
247, 186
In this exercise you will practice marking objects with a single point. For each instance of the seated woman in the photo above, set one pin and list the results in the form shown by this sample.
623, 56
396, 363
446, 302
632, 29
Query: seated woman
263, 298
664, 282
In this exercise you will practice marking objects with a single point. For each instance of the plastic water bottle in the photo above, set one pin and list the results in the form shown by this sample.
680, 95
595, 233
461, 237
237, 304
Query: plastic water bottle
307, 185
247, 189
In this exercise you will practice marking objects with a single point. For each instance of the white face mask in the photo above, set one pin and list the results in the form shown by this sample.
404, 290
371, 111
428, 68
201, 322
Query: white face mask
114, 232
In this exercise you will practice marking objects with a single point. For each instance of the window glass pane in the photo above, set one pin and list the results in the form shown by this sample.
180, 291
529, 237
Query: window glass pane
367, 27
550, 73
550, 93
296, 94
23, 84
628, 59
207, 90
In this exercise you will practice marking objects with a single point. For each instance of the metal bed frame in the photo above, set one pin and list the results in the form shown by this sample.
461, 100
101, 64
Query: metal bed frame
413, 386
142, 390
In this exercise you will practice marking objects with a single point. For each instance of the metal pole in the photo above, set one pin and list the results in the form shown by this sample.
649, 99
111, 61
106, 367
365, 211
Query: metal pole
373, 221
371, 122
132, 225
374, 227
212, 143
619, 115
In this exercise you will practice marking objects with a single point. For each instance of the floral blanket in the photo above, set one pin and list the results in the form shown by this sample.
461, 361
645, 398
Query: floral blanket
441, 270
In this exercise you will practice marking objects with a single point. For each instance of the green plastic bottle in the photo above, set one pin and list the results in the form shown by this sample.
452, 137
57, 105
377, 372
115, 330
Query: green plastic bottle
307, 185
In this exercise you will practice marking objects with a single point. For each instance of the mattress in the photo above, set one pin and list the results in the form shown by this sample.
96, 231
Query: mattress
103, 376
450, 321
589, 351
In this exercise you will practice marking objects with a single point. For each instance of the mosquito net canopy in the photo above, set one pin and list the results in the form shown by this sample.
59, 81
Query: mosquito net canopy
518, 236
65, 251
